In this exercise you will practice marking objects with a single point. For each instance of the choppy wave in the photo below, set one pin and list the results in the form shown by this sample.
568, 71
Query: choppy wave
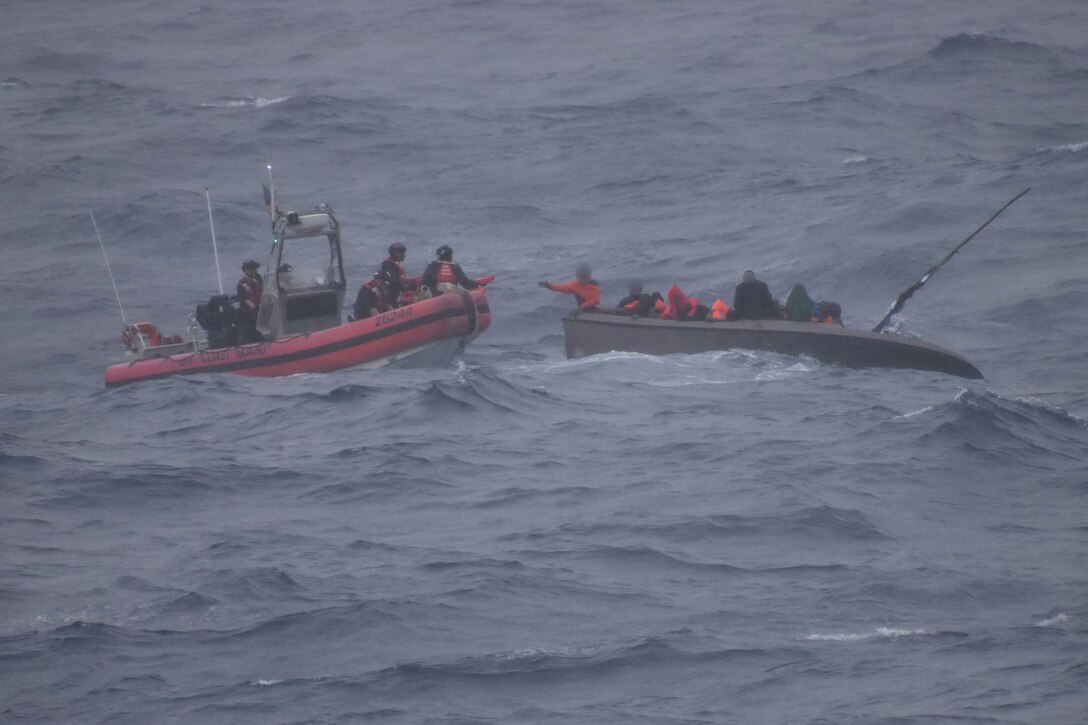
245, 102
1064, 148
1059, 618
891, 633
520, 537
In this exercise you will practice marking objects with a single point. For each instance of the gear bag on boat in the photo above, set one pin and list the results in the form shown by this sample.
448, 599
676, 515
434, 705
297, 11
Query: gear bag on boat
217, 317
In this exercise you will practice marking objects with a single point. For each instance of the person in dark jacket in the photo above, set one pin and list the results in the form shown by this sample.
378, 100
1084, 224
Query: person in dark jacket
393, 270
752, 300
250, 289
443, 275
637, 302
372, 298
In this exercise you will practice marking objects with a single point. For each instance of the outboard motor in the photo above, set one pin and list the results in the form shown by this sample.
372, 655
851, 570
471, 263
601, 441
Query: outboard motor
217, 319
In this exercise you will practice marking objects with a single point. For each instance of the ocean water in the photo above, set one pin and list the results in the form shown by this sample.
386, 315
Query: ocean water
519, 538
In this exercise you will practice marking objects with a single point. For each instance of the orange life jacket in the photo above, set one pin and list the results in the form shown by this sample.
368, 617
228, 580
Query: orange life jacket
131, 333
719, 310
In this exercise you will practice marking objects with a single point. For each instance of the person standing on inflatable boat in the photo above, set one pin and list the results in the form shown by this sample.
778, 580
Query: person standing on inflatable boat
392, 270
250, 289
443, 275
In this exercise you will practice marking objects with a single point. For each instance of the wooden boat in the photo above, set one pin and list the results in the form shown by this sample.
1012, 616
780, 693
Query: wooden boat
300, 321
600, 331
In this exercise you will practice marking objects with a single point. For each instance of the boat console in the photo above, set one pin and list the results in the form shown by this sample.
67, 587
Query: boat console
304, 289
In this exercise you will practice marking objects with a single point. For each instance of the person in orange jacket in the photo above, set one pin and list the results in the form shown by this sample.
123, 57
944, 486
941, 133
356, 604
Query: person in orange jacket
680, 306
584, 288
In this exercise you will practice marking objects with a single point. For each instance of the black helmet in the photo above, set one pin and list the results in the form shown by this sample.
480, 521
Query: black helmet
445, 253
250, 264
397, 248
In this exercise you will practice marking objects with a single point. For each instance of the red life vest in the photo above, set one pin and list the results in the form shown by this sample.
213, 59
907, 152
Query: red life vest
445, 273
131, 333
252, 290
381, 301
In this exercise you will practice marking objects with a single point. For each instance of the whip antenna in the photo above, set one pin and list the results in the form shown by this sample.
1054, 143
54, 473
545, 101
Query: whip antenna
909, 291
108, 269
215, 247
270, 199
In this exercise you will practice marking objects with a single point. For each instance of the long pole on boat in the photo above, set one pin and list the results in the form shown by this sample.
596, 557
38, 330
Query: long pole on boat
270, 198
909, 291
109, 270
215, 247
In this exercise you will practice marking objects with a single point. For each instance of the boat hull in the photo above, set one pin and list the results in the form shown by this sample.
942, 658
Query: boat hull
425, 333
591, 333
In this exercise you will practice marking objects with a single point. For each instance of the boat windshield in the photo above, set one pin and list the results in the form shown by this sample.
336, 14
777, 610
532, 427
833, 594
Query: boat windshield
308, 263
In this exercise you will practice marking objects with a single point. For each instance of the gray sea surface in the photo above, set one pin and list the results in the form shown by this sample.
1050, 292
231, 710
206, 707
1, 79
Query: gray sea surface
731, 537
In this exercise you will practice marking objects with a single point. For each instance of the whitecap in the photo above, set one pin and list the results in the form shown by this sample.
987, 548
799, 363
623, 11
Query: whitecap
878, 633
1058, 618
247, 101
856, 159
265, 683
1071, 147
913, 413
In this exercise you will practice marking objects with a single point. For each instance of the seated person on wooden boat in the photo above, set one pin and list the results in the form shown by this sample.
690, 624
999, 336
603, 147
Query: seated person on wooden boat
444, 275
637, 302
800, 307
719, 311
830, 312
752, 300
393, 268
584, 288
250, 289
681, 307
373, 298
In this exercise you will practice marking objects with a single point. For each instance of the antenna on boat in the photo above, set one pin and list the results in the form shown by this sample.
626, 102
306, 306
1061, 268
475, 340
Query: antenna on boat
108, 269
215, 247
909, 291
270, 199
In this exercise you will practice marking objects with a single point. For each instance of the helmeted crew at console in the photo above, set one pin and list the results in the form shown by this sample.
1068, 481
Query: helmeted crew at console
387, 289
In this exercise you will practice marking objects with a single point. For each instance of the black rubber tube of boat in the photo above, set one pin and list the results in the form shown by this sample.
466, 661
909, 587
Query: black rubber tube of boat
909, 291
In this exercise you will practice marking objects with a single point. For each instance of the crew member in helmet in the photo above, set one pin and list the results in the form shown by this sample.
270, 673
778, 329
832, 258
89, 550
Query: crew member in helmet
372, 298
393, 270
250, 289
584, 288
444, 275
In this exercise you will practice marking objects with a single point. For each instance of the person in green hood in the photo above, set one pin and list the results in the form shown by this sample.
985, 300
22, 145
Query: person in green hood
799, 306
